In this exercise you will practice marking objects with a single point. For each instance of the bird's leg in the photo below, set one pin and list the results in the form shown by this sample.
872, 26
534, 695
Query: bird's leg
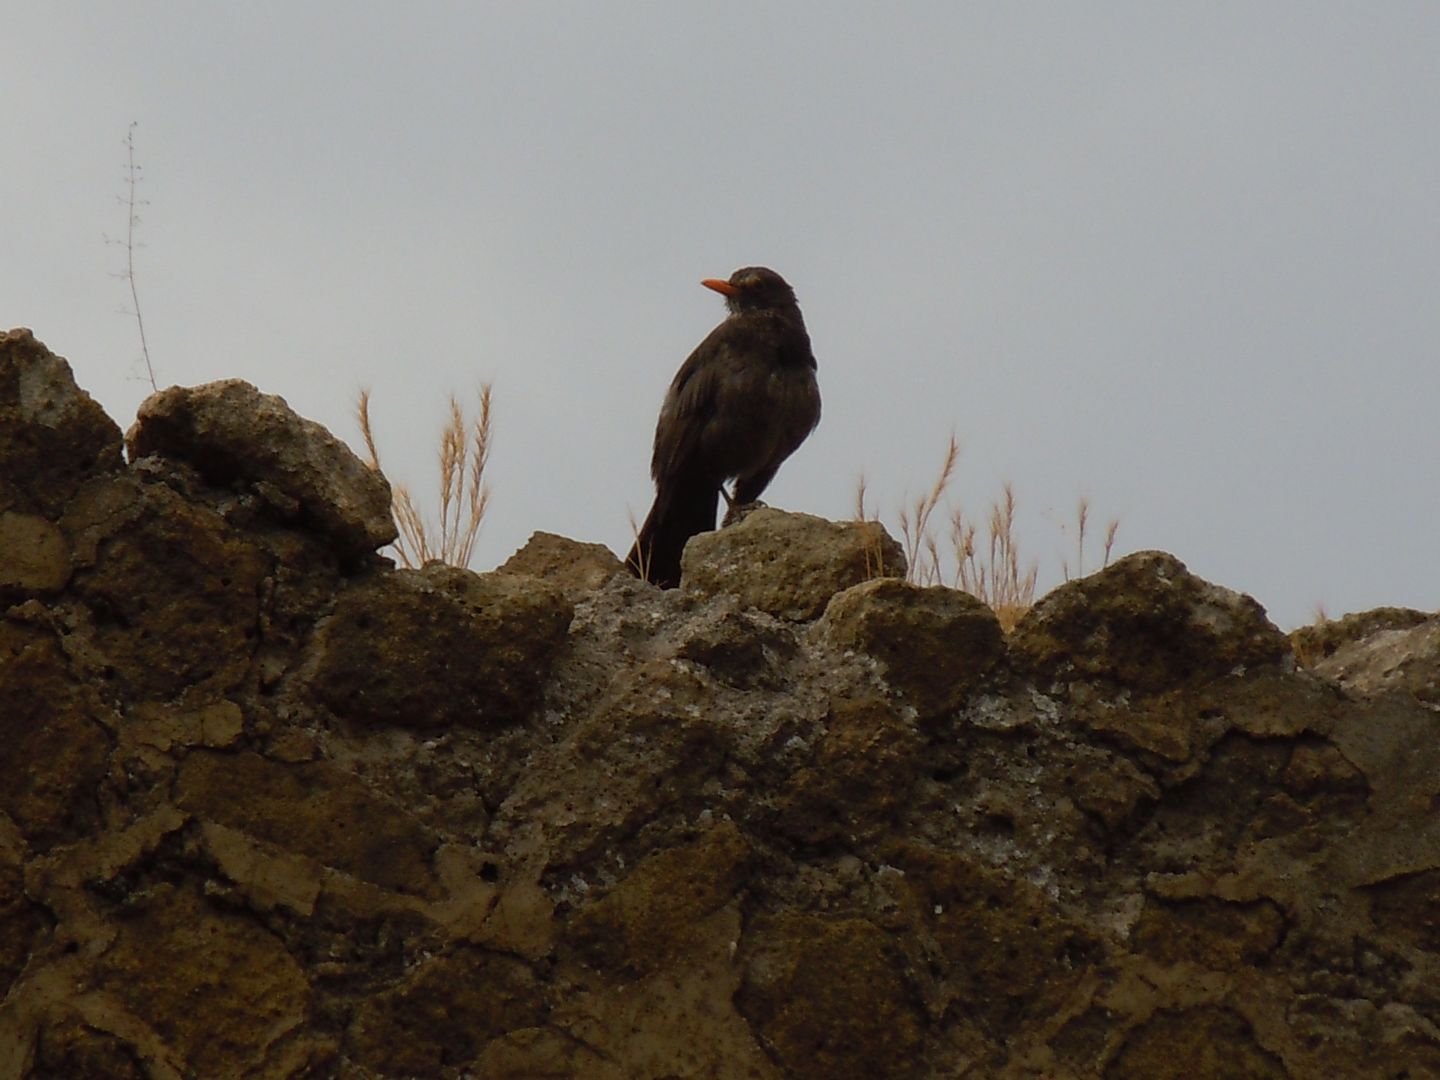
736, 511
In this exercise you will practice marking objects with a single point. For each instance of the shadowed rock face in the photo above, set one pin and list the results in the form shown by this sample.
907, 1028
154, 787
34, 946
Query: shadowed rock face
269, 807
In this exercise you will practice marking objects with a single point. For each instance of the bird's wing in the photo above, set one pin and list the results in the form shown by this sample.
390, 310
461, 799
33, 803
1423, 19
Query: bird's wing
691, 400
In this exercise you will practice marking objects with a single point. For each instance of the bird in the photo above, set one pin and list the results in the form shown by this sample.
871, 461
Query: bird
740, 404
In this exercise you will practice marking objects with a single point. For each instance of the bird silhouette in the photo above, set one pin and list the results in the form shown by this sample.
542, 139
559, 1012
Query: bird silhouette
737, 408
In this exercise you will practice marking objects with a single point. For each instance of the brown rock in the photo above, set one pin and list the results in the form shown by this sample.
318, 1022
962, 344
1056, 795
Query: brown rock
439, 646
647, 748
544, 1054
52, 728
1410, 905
1146, 624
72, 1048
828, 999
1320, 640
1401, 658
314, 809
53, 436
1207, 1043
789, 565
1010, 952
1209, 931
443, 1013
653, 916
859, 778
260, 818
37, 559
573, 567
218, 988
173, 591
934, 645
743, 648
21, 920
233, 434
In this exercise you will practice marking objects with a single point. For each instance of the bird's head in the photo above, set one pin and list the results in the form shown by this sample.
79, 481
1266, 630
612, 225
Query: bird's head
753, 288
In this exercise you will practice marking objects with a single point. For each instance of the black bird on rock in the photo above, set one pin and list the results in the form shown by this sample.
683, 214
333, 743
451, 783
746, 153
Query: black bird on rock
738, 407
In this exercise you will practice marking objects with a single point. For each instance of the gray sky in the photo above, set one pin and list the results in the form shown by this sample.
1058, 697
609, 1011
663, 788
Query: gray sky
1182, 259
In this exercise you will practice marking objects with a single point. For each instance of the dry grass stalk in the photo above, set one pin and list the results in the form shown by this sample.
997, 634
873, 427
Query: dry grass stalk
464, 495
642, 558
998, 577
1082, 519
874, 550
921, 552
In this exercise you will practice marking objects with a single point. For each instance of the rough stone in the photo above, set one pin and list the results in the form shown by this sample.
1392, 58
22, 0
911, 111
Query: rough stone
828, 998
788, 565
654, 916
1195, 1044
1391, 659
935, 645
173, 951
53, 728
1146, 624
37, 559
1320, 640
235, 435
444, 1013
439, 646
53, 436
266, 812
575, 568
858, 779
314, 809
22, 922
172, 592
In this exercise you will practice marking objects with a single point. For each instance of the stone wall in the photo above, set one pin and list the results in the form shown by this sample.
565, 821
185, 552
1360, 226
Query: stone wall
270, 807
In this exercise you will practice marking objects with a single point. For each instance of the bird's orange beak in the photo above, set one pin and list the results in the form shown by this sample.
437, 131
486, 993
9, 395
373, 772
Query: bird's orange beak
720, 286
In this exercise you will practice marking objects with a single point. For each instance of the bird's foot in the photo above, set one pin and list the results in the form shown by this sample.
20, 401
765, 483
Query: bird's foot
738, 511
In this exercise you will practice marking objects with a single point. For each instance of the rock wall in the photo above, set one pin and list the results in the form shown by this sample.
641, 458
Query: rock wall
272, 808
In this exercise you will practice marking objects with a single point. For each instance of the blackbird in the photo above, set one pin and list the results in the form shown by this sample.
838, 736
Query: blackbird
738, 407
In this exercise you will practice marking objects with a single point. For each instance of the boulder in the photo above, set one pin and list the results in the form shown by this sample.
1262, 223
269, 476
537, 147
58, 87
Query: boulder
235, 435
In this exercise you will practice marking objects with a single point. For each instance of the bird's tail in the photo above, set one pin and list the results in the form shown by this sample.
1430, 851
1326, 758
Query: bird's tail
680, 511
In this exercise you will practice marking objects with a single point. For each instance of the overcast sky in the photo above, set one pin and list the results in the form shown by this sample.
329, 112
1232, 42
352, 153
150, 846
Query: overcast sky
1182, 259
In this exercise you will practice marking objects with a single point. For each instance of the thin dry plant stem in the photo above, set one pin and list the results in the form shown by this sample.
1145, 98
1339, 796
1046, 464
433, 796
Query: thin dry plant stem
1082, 521
999, 580
642, 557
915, 523
868, 519
994, 575
132, 202
464, 495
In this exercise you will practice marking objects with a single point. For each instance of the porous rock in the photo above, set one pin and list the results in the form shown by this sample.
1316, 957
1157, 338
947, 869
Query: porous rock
172, 592
54, 730
235, 435
439, 646
1321, 639
312, 809
1146, 624
53, 436
788, 565
935, 645
573, 567
342, 820
1398, 656
37, 558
